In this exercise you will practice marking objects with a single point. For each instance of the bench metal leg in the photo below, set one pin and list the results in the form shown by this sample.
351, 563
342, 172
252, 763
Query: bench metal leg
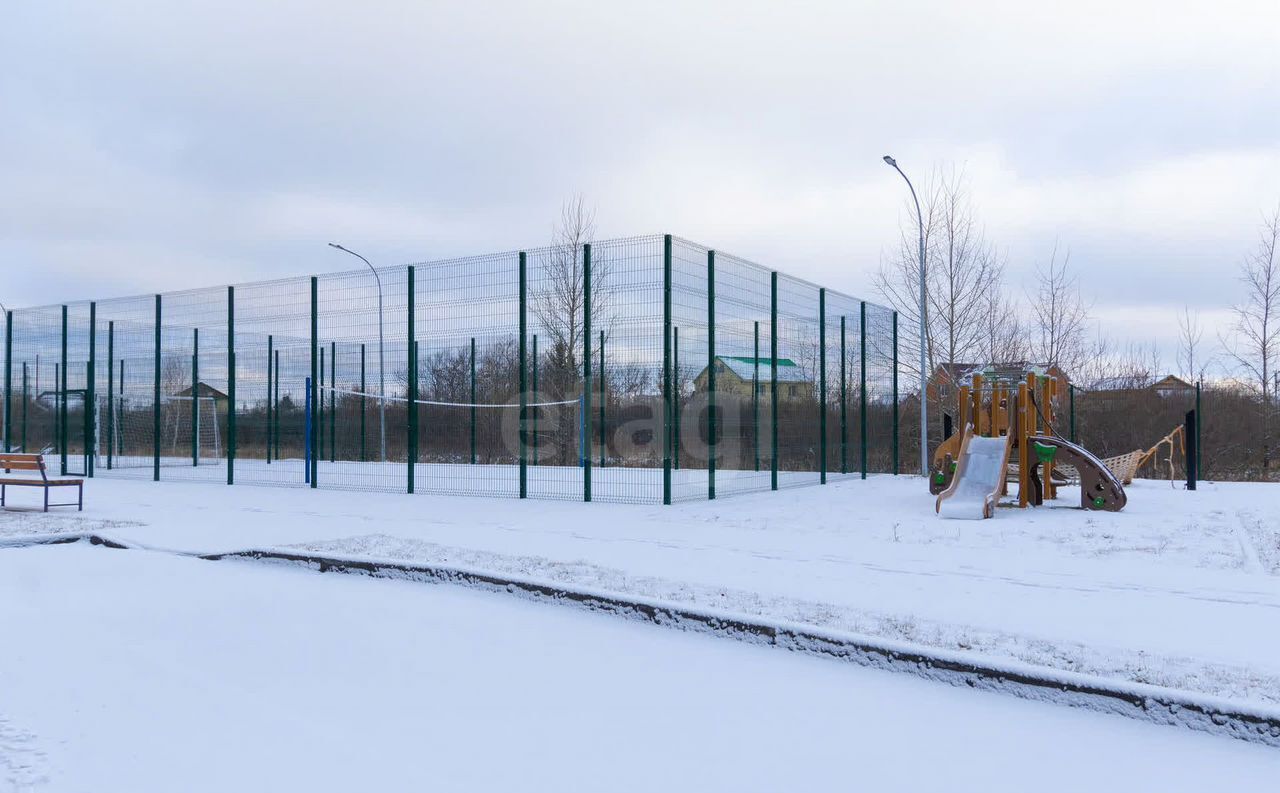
80, 506
46, 499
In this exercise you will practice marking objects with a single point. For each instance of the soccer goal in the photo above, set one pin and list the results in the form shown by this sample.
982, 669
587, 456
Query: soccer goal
190, 432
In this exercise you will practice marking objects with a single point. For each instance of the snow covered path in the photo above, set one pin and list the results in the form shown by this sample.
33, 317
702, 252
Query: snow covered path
1164, 592
149, 672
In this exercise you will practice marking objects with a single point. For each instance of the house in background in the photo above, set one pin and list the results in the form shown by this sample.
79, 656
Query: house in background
1166, 386
735, 374
205, 391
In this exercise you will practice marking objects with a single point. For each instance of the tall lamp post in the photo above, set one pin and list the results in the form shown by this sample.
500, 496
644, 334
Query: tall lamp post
924, 396
382, 364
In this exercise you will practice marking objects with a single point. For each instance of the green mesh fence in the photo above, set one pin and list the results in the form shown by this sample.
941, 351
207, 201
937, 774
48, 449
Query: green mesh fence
644, 370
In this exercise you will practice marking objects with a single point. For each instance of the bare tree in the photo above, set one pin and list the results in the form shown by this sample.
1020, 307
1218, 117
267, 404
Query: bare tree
964, 274
1002, 332
1192, 363
1256, 345
1060, 315
559, 296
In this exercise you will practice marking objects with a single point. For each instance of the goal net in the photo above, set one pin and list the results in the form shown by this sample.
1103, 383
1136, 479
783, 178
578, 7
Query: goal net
191, 432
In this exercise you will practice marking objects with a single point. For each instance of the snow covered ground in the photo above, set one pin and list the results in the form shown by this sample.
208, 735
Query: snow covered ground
137, 671
1181, 589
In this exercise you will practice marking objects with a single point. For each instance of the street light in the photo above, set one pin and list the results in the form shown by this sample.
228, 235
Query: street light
924, 397
382, 365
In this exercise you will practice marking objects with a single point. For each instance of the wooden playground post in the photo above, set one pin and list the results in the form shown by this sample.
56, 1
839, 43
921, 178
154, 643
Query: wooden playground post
964, 410
977, 405
1046, 407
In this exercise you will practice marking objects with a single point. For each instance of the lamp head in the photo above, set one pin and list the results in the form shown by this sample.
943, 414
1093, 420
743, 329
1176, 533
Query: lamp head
891, 161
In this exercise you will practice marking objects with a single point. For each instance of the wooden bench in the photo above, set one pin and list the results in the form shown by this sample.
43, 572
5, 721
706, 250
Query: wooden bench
11, 461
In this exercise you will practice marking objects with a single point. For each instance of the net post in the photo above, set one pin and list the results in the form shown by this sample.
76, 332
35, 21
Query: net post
604, 383
524, 396
711, 375
313, 383
773, 379
844, 398
91, 395
473, 400
155, 402
895, 393
231, 387
412, 405
755, 396
1199, 424
333, 401
822, 385
666, 369
8, 381
584, 419
195, 397
534, 417
111, 388
62, 397
862, 386
364, 455
270, 392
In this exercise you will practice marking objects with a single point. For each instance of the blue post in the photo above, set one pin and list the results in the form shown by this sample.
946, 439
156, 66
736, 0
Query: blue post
307, 475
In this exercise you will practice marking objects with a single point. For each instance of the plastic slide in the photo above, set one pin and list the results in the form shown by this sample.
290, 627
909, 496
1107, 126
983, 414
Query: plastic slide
979, 477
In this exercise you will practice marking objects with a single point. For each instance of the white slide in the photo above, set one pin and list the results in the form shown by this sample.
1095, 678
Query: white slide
980, 473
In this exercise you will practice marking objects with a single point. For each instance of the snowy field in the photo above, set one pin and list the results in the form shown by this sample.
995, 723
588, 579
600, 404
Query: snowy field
138, 671
1181, 589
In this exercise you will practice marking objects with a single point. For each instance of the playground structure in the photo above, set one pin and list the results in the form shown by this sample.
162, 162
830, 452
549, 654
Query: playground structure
1007, 433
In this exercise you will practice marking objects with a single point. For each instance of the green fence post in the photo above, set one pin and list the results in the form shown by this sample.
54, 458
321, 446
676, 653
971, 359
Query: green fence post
364, 455
8, 380
773, 379
585, 424
333, 401
413, 386
844, 400
822, 385
155, 402
231, 386
533, 419
91, 395
711, 375
862, 388
270, 357
62, 397
895, 393
521, 441
755, 397
111, 395
314, 463
195, 397
666, 369
1199, 426
675, 397
473, 400
1071, 401
604, 384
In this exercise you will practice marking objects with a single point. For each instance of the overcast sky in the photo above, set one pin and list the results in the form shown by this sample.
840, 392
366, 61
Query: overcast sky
147, 146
